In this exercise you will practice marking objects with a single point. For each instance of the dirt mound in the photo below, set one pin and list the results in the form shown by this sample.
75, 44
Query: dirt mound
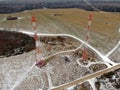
14, 43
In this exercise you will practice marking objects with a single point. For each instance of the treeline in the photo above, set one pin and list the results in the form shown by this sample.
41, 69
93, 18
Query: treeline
112, 6
6, 7
16, 43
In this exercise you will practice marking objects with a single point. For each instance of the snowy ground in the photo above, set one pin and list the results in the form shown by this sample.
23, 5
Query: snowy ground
116, 55
19, 72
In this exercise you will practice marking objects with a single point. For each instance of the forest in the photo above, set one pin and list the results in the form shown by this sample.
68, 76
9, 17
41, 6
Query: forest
7, 7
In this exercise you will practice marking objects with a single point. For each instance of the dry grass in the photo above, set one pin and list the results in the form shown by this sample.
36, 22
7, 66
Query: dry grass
104, 29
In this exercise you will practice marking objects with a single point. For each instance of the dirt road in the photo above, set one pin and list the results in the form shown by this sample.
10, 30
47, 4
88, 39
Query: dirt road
83, 79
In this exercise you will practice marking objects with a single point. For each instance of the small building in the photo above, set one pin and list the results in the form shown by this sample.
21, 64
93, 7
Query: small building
11, 18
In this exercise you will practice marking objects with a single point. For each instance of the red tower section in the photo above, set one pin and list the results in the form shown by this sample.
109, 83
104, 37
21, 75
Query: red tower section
39, 63
85, 52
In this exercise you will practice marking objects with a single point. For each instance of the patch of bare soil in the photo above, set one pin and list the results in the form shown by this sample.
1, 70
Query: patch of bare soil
51, 45
83, 86
97, 67
110, 81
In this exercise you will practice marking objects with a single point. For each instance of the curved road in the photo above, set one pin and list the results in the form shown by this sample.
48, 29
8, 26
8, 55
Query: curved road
62, 52
103, 57
109, 53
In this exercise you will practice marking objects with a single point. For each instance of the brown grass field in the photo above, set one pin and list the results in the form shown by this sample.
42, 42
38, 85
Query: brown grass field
104, 29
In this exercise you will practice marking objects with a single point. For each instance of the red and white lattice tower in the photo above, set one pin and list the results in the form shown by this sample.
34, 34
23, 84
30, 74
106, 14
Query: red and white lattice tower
38, 52
85, 52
